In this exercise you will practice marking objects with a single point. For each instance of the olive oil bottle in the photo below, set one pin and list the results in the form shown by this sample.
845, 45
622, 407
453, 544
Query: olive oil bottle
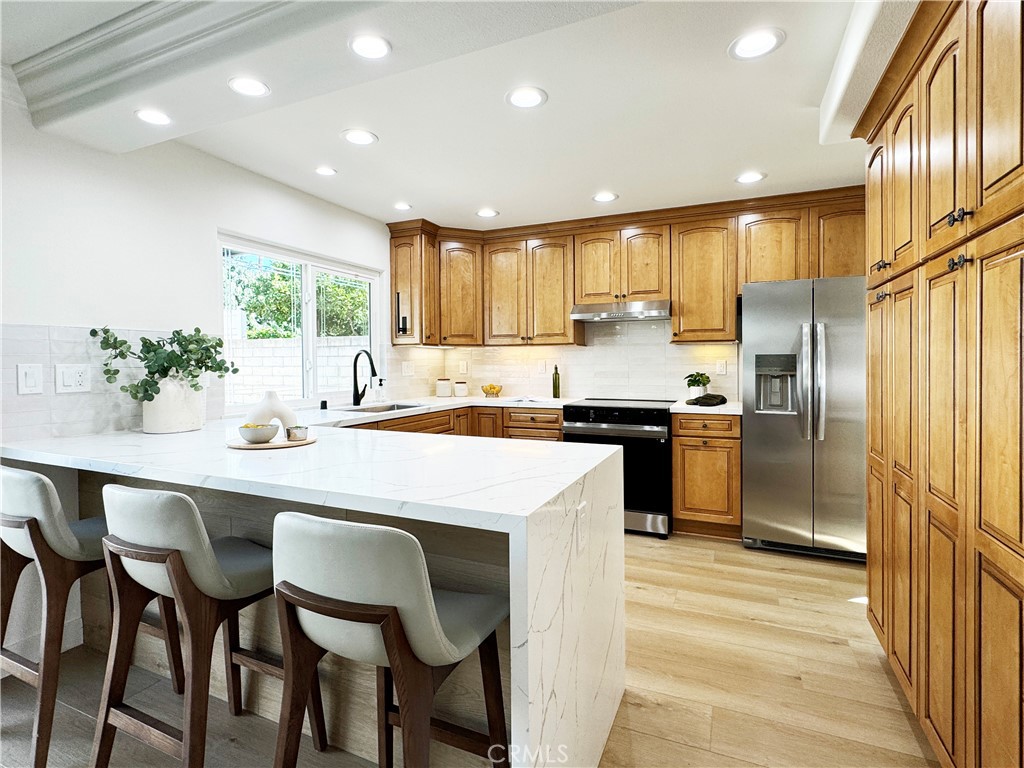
556, 383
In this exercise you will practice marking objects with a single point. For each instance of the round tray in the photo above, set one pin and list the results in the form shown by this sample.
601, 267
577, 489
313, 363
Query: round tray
241, 445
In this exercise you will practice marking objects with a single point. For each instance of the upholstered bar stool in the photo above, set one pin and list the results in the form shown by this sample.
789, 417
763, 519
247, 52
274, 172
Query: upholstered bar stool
158, 546
33, 529
362, 592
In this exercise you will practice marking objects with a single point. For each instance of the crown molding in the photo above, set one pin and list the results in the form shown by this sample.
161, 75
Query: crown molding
150, 44
11, 91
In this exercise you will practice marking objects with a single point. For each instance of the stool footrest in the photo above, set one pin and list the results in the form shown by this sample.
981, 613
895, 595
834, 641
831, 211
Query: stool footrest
146, 728
453, 735
23, 669
257, 661
151, 625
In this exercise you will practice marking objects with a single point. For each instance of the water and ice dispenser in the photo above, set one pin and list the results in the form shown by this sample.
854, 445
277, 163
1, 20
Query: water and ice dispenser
775, 378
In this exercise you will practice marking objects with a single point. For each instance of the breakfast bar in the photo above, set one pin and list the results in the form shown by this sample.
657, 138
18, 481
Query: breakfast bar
541, 522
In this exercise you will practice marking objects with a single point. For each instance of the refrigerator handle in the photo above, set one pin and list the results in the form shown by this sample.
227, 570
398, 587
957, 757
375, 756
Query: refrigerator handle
803, 384
821, 383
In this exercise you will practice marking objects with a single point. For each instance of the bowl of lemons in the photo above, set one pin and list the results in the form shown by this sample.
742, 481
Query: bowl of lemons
258, 433
491, 390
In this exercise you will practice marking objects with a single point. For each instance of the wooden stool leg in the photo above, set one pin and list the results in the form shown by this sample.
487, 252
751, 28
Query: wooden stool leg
55, 602
130, 599
315, 710
12, 563
301, 657
415, 685
200, 632
385, 730
490, 669
172, 641
232, 672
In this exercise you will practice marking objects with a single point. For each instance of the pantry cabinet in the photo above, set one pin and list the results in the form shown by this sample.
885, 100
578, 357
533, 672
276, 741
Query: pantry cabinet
773, 246
704, 280
462, 283
901, 136
415, 299
876, 219
878, 517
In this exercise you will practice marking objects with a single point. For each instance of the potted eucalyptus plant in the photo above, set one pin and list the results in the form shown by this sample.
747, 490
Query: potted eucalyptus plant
170, 387
697, 384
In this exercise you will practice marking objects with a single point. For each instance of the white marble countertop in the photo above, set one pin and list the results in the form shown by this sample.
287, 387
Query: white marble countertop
732, 408
470, 481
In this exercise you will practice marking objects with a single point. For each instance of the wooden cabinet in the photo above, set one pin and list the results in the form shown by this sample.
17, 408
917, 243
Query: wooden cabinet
415, 300
773, 246
876, 218
440, 423
528, 292
487, 422
995, 120
533, 423
463, 421
622, 265
943, 84
901, 135
706, 479
461, 277
704, 280
368, 425
837, 240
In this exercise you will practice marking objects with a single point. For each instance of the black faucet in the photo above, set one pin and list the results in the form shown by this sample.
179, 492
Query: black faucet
359, 394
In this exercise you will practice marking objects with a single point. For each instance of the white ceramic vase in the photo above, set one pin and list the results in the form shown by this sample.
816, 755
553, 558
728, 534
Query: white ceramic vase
696, 392
176, 408
270, 408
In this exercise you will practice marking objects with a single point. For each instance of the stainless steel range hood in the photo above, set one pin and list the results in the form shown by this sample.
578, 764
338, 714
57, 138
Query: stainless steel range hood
621, 311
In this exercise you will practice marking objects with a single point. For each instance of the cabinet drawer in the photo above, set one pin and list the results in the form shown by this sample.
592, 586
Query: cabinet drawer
533, 417
695, 425
428, 422
528, 433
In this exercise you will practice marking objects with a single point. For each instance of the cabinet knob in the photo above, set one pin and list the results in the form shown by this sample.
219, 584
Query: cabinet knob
522, 338
617, 296
703, 426
703, 442
533, 418
529, 338
444, 338
674, 333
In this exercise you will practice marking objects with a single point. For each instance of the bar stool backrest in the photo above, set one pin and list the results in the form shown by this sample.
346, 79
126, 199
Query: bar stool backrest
29, 494
165, 520
358, 563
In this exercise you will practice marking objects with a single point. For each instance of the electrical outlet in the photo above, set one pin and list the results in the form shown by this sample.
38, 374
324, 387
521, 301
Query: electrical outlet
408, 369
722, 369
463, 366
73, 377
582, 525
30, 379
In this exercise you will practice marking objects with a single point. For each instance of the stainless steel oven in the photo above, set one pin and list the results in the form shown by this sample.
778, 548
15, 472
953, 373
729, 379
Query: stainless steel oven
641, 427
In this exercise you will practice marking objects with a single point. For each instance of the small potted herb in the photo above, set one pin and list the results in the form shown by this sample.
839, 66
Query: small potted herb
697, 383
170, 387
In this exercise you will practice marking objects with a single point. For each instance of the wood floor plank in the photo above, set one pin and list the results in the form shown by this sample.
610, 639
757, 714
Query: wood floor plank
629, 749
666, 717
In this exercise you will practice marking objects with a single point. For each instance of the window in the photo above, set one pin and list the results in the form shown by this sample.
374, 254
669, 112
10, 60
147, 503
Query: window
292, 326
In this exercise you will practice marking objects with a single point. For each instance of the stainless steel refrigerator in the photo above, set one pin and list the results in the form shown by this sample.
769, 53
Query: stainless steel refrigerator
804, 390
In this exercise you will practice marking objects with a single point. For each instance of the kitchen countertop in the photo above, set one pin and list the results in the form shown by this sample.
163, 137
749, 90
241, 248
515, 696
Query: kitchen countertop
732, 408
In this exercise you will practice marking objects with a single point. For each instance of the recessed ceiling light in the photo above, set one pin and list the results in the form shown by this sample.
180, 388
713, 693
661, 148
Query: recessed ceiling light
248, 86
605, 197
326, 170
755, 44
749, 177
359, 136
526, 96
370, 46
403, 207
153, 117
487, 213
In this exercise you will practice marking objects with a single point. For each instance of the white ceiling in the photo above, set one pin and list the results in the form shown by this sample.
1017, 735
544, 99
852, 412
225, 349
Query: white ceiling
643, 100
29, 26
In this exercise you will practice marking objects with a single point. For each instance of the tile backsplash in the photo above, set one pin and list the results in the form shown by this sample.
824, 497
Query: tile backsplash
620, 360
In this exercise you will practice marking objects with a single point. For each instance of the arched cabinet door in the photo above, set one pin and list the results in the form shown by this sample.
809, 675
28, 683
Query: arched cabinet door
704, 280
773, 246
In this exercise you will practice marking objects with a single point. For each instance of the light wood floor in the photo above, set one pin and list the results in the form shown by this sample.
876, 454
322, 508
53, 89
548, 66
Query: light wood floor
734, 658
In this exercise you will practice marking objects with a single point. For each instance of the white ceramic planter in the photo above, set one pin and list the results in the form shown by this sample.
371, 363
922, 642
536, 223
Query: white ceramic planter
696, 392
177, 408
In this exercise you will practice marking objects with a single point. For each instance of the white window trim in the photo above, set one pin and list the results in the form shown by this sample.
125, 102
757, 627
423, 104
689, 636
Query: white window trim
310, 263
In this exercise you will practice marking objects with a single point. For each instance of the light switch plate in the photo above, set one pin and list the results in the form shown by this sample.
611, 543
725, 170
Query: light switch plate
71, 377
30, 379
722, 369
463, 366
408, 369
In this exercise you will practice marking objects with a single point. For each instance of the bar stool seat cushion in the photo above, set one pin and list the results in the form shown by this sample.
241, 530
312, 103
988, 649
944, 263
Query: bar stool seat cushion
90, 533
467, 619
248, 566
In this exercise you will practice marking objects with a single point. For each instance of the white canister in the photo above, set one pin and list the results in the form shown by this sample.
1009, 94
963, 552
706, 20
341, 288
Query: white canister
443, 388
461, 389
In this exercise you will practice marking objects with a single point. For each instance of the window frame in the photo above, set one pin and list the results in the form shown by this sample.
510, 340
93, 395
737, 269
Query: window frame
310, 264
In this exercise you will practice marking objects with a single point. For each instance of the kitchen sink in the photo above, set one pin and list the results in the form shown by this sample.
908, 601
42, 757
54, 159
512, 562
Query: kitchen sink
382, 408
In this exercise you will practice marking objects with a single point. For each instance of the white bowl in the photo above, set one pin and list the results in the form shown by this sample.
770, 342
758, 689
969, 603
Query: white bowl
259, 434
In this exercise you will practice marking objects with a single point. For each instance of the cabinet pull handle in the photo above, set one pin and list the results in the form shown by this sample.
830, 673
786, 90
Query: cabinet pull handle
401, 323
879, 265
957, 216
958, 263
880, 295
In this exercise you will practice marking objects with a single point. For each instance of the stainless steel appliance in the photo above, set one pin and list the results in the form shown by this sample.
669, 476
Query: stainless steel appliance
804, 387
641, 427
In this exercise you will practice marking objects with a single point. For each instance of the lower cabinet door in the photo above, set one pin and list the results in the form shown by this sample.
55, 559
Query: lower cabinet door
706, 480
487, 422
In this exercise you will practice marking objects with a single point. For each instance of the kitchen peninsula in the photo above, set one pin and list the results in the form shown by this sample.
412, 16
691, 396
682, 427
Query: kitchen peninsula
540, 521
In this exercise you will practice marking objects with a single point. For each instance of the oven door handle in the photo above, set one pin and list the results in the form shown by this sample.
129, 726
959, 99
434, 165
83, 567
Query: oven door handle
613, 430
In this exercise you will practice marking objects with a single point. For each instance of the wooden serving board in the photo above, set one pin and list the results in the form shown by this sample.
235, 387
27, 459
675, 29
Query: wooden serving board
241, 445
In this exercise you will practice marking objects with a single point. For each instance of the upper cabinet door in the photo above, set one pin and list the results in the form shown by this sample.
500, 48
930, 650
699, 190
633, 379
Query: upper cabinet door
837, 240
461, 293
996, 116
505, 293
704, 281
877, 223
597, 267
406, 290
773, 246
644, 264
549, 290
902, 137
431, 293
944, 138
